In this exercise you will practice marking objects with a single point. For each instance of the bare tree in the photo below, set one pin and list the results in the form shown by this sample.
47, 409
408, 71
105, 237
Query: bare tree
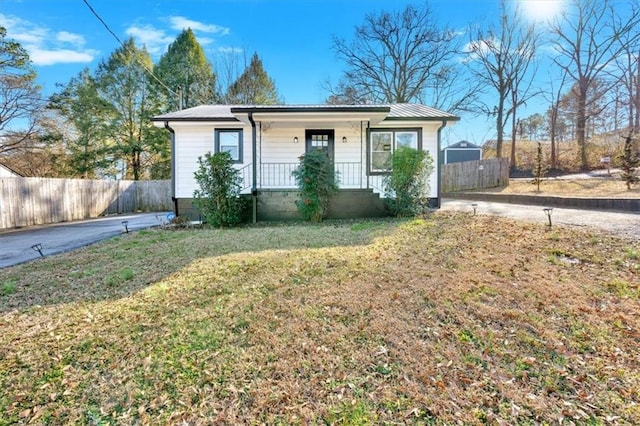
589, 37
628, 62
502, 58
398, 57
555, 100
20, 100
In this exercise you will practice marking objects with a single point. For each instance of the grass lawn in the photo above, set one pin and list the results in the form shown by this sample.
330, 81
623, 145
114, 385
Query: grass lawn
450, 318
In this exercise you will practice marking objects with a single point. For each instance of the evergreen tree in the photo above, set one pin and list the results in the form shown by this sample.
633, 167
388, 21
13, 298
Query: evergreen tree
80, 103
253, 87
185, 71
123, 81
630, 162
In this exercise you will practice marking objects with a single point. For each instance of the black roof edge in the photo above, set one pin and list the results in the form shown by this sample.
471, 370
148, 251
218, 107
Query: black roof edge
319, 108
230, 119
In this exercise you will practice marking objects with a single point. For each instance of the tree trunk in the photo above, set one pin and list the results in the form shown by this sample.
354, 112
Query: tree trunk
514, 131
554, 119
581, 121
636, 101
499, 129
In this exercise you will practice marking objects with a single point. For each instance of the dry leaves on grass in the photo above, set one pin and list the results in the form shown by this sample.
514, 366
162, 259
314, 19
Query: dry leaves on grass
597, 187
448, 319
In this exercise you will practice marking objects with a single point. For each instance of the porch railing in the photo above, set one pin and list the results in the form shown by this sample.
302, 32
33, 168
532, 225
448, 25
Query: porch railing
246, 172
278, 175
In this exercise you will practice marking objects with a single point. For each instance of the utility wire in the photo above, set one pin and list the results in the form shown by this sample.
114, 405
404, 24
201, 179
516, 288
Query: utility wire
122, 44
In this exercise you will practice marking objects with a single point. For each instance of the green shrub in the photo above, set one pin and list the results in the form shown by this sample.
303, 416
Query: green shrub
218, 198
317, 182
406, 186
7, 288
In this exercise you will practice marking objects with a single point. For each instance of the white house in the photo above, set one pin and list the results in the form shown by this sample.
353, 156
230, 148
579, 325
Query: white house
266, 142
5, 171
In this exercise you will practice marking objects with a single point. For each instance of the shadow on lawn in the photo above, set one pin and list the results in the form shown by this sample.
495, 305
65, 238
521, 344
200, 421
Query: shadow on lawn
124, 265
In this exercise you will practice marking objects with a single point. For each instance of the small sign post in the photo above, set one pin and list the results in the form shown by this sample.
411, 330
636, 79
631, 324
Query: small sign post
606, 161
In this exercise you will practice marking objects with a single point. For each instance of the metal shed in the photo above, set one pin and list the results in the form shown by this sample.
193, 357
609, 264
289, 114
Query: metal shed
461, 151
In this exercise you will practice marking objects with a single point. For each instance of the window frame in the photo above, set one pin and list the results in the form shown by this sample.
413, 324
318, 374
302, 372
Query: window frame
239, 132
394, 143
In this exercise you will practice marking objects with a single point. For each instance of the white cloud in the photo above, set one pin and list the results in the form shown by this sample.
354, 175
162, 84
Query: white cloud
71, 38
180, 23
155, 40
205, 41
60, 56
226, 49
43, 46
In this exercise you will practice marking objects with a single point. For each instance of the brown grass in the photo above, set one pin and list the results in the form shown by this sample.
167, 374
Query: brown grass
444, 320
605, 188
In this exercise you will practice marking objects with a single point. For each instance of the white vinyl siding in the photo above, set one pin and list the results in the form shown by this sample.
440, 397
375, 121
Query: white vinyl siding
196, 140
275, 145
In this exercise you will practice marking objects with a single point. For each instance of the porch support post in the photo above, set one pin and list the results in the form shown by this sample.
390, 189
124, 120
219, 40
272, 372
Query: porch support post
173, 167
366, 150
438, 166
254, 178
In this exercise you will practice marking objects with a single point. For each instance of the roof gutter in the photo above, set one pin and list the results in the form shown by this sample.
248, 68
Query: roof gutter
254, 159
439, 166
173, 167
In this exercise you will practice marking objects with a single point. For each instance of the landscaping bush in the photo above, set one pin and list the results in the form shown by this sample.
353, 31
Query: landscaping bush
317, 182
218, 198
407, 186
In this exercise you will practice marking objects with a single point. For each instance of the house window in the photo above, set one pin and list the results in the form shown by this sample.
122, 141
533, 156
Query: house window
230, 140
383, 142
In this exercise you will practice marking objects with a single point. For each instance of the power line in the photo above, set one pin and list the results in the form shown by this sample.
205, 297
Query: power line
135, 57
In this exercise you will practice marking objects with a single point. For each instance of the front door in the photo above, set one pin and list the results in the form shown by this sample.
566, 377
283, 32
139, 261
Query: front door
321, 140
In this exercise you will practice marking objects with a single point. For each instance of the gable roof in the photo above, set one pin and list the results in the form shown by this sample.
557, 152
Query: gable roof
463, 145
231, 112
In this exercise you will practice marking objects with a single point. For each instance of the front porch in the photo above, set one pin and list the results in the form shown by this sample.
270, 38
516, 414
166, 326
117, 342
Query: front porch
278, 176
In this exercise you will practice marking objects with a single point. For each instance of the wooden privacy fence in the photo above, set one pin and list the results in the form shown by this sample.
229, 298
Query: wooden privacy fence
475, 174
38, 201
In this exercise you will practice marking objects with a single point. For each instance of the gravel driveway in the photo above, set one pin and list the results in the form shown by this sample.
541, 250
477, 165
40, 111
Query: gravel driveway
620, 224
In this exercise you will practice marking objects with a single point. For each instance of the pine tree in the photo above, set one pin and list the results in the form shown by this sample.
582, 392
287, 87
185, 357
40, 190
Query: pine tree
185, 70
124, 82
253, 87
81, 105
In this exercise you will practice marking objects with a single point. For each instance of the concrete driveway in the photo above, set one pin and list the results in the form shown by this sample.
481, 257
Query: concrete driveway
16, 245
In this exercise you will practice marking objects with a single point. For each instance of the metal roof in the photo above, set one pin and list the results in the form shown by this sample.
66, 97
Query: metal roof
418, 111
228, 112
200, 113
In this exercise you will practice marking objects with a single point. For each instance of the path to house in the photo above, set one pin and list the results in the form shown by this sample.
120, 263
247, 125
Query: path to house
16, 245
621, 224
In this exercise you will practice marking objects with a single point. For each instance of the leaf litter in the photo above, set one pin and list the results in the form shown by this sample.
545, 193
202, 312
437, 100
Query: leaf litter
440, 320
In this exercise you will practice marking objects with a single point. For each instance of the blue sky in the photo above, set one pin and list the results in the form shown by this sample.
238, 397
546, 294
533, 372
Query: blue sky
292, 37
